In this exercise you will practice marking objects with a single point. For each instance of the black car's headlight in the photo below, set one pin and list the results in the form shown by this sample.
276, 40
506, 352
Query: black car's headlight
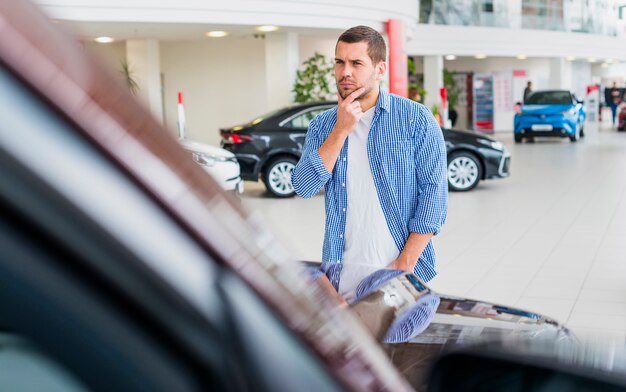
496, 145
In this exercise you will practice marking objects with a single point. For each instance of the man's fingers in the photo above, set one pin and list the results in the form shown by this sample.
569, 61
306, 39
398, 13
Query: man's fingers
355, 94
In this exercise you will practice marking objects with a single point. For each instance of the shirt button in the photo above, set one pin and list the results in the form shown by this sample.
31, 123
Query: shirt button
343, 184
344, 158
340, 235
344, 210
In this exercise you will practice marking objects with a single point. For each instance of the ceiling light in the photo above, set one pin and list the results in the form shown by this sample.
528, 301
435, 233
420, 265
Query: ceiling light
266, 29
521, 57
216, 34
592, 59
104, 40
480, 56
570, 58
610, 61
604, 65
450, 57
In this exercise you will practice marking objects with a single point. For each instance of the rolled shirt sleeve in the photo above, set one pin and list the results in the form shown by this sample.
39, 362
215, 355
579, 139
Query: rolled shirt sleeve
431, 164
310, 174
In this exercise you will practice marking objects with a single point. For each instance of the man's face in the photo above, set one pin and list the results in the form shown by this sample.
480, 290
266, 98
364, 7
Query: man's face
354, 69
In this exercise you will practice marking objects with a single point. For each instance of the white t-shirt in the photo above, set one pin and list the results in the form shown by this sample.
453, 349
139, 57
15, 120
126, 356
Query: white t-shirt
369, 245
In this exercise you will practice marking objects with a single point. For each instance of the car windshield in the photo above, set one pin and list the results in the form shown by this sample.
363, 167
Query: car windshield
549, 98
258, 119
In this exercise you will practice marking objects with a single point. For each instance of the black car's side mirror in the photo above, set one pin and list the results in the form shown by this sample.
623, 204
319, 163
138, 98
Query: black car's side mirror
474, 371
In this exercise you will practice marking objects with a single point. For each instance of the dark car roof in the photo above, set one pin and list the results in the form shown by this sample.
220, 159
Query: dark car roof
110, 119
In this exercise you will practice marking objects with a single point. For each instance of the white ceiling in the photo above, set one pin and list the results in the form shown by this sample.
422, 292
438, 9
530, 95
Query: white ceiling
122, 31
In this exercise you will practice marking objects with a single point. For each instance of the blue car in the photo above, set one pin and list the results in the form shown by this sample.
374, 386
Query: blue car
555, 113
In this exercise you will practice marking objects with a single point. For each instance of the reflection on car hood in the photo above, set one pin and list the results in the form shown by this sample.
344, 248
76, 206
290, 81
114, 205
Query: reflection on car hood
205, 148
545, 109
401, 305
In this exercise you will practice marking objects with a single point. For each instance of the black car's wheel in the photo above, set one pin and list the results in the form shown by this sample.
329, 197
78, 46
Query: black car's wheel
277, 176
518, 138
464, 171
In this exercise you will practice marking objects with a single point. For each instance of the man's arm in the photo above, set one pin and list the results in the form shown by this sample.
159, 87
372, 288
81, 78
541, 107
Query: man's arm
319, 156
430, 214
415, 245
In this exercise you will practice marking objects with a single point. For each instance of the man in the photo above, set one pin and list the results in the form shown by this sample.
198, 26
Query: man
381, 159
528, 90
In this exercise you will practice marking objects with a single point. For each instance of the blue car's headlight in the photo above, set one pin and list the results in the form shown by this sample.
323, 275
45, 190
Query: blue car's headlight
496, 145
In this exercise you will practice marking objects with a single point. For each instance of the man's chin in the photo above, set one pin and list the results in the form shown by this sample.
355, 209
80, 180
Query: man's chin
344, 94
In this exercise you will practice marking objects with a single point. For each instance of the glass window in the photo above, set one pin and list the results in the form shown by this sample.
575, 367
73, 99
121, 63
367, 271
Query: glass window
302, 119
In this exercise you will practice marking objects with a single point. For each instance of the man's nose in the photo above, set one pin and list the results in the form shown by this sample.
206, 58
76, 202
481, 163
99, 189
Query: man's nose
346, 71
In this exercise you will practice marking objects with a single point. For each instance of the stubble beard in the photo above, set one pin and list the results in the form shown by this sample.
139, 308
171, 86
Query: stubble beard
344, 93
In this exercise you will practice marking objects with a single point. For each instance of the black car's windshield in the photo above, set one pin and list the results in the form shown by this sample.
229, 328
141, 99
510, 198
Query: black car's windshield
258, 119
549, 98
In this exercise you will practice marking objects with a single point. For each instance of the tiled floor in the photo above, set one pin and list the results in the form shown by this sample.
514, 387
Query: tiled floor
551, 238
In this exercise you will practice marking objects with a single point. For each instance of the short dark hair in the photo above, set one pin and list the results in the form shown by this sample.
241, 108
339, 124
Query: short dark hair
376, 47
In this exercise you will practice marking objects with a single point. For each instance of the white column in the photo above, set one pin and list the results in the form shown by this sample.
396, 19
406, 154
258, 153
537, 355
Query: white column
560, 74
433, 80
144, 60
281, 64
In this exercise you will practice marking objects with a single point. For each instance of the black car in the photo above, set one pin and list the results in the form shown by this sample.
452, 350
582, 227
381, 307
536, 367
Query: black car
270, 146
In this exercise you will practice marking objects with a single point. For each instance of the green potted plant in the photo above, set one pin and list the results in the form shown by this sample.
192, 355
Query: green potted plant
314, 82
127, 74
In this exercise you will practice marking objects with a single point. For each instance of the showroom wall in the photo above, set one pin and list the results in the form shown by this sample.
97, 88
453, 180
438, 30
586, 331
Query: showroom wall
223, 82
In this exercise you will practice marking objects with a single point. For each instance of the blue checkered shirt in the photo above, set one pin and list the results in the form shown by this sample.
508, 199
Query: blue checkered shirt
407, 157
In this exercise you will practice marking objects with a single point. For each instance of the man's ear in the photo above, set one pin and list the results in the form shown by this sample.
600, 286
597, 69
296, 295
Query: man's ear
381, 68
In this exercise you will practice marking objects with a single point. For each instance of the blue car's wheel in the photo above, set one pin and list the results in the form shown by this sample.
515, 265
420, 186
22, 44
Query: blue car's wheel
576, 135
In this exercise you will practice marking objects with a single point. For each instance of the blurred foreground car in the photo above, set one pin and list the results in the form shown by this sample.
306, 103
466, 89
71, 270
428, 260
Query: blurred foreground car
219, 163
555, 113
124, 269
270, 146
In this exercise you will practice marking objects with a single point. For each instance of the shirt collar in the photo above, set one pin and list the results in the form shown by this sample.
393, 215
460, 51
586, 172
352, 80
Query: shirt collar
383, 101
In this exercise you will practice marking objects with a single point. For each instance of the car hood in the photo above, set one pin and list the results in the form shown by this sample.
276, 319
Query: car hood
545, 109
466, 135
392, 295
416, 325
206, 149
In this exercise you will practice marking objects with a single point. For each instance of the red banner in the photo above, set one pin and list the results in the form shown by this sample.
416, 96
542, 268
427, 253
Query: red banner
398, 72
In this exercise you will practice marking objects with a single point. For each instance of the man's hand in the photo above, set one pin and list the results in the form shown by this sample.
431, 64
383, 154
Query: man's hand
328, 287
403, 262
348, 115
349, 111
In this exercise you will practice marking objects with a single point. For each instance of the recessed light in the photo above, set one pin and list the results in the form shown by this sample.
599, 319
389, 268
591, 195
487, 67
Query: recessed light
480, 56
104, 40
521, 57
604, 65
266, 29
592, 60
450, 57
216, 34
570, 58
610, 61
